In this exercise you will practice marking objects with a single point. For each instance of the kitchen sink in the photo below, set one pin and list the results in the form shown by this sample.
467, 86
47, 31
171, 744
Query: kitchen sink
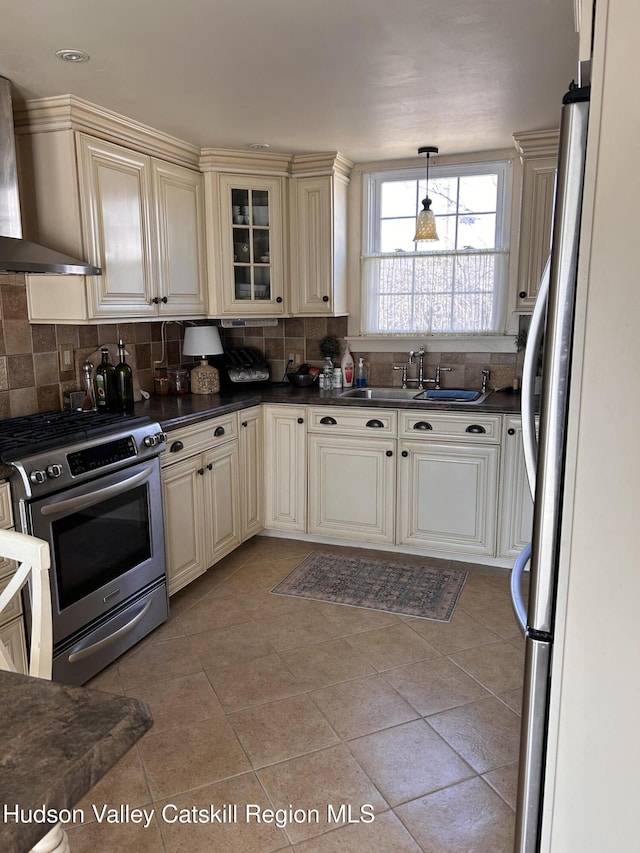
410, 395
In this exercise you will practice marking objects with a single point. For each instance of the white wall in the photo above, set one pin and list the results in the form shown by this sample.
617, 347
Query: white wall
594, 755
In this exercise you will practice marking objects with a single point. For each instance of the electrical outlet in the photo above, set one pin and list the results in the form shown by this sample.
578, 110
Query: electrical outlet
65, 356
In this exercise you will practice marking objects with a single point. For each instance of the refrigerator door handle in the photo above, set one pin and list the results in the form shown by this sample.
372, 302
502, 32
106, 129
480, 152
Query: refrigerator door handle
519, 607
534, 340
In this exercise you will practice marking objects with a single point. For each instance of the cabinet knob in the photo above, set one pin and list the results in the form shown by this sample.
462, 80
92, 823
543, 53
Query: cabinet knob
245, 423
165, 299
511, 431
476, 428
374, 423
405, 453
422, 425
523, 294
389, 452
325, 298
329, 421
218, 431
300, 420
176, 446
201, 471
278, 299
210, 466
156, 300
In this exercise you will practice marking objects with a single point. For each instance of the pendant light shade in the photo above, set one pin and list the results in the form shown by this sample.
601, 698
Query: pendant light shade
426, 221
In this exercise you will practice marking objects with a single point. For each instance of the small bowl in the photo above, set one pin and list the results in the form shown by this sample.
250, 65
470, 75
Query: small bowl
302, 380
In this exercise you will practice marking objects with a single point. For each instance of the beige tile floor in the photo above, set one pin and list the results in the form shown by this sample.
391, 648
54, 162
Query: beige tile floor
283, 703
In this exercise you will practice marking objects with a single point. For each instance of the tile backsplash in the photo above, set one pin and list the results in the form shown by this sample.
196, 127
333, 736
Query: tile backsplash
31, 378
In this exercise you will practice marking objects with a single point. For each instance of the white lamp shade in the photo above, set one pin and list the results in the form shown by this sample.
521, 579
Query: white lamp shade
202, 341
426, 226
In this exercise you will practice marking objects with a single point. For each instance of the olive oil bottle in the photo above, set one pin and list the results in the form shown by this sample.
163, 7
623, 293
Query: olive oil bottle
104, 384
123, 383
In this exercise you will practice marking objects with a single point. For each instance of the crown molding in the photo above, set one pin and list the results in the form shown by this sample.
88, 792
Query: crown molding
264, 163
68, 112
311, 165
537, 143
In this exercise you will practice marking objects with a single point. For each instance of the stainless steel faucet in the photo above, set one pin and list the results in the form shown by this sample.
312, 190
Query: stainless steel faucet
485, 378
440, 370
420, 356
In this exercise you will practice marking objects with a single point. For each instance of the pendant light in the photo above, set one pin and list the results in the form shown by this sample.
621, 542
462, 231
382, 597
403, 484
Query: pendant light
426, 221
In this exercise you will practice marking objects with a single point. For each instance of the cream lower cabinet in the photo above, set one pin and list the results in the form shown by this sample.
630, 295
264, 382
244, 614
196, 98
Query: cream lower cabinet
285, 460
448, 467
201, 491
12, 633
250, 435
352, 473
516, 503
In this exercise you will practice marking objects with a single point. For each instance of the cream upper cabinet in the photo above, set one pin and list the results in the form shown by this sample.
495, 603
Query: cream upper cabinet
138, 216
318, 200
539, 156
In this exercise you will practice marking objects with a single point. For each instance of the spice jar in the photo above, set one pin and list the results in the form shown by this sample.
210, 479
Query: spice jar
179, 381
161, 385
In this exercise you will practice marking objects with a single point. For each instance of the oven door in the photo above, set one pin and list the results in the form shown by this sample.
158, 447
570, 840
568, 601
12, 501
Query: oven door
107, 544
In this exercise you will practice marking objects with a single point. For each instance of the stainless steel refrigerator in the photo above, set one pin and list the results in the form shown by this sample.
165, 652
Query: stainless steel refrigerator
551, 328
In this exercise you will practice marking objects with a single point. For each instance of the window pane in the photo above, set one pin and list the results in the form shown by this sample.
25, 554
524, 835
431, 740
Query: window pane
397, 234
398, 198
477, 231
475, 273
395, 314
434, 274
396, 276
478, 193
443, 192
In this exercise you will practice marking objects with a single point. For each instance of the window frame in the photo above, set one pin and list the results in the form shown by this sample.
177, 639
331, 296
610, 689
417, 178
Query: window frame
500, 163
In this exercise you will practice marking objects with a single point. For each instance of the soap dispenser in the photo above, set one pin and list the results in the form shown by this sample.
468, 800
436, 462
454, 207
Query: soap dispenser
361, 374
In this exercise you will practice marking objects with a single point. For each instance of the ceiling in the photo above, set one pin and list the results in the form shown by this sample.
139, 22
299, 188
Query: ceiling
373, 79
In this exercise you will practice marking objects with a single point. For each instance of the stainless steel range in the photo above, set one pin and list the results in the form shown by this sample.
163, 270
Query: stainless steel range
89, 484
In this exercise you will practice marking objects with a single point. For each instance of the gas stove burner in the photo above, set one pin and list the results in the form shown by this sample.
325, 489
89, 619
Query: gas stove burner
24, 436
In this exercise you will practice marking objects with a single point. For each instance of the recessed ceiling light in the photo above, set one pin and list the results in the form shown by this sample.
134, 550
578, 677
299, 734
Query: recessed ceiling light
69, 55
259, 146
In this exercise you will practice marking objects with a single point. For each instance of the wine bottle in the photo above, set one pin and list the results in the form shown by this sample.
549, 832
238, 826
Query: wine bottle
123, 383
104, 383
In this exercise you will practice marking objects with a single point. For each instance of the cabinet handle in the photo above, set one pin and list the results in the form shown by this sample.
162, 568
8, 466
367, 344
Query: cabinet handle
218, 431
325, 298
511, 431
176, 446
375, 424
245, 423
475, 428
278, 299
523, 294
329, 421
210, 466
405, 453
201, 471
389, 452
422, 425
300, 420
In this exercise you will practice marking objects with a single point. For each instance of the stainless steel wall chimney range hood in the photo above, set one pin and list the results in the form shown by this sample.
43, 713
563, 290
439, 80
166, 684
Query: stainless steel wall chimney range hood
16, 254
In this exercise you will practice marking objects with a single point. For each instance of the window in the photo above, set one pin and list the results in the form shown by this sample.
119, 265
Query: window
456, 284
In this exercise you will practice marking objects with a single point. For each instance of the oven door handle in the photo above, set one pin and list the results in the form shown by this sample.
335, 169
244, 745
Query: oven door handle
85, 652
101, 494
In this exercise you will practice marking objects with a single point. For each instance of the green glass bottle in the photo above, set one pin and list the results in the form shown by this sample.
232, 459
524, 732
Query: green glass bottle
104, 383
123, 383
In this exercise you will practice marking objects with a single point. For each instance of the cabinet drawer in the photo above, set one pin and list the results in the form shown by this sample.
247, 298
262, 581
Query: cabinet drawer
14, 609
474, 427
194, 439
353, 421
6, 515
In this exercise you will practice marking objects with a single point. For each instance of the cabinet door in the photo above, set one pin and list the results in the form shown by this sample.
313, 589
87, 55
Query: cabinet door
251, 219
115, 194
285, 454
448, 496
539, 180
251, 472
352, 488
318, 234
180, 240
221, 518
516, 503
182, 487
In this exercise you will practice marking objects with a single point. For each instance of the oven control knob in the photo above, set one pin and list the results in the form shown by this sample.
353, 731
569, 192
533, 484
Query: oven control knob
154, 440
54, 471
37, 477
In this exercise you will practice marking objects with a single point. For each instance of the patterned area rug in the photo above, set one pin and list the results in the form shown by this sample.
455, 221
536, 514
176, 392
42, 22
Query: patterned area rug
375, 584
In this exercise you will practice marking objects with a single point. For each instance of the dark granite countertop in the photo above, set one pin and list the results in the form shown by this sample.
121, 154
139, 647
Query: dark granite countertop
177, 411
56, 742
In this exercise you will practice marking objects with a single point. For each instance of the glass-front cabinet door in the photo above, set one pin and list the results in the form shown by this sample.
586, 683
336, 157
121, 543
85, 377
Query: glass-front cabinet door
251, 219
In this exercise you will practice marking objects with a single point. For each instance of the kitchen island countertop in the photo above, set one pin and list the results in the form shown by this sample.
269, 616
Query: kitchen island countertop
56, 742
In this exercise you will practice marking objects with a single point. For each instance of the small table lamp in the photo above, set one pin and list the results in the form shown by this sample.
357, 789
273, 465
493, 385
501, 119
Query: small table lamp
203, 341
